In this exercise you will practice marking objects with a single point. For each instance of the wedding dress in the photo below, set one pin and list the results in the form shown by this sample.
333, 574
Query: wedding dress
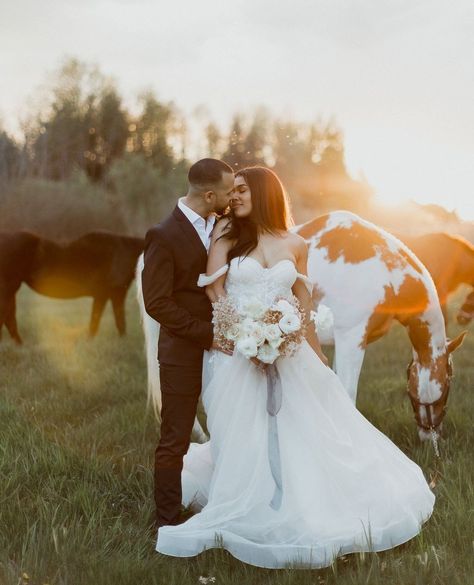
345, 487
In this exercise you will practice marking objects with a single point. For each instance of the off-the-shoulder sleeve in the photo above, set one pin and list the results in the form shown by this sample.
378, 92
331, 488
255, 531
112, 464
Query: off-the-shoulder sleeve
205, 279
307, 281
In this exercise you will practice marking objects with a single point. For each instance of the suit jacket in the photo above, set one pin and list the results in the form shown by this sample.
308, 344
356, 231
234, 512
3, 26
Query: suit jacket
174, 257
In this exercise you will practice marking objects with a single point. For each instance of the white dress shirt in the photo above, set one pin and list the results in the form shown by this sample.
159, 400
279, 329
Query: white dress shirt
202, 226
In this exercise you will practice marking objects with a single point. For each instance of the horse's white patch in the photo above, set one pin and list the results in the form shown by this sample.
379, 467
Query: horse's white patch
428, 390
397, 276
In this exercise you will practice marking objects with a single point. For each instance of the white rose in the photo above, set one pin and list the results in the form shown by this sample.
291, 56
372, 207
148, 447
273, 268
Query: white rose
289, 323
285, 307
247, 325
258, 333
267, 354
253, 308
272, 332
247, 346
276, 342
232, 334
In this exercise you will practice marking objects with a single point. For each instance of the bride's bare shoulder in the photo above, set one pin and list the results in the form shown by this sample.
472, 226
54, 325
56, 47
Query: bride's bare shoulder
296, 241
298, 248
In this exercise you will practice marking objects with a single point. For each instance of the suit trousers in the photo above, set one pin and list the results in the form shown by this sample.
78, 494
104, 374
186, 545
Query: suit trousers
180, 391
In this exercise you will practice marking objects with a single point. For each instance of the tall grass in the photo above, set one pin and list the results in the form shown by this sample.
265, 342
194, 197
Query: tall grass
76, 451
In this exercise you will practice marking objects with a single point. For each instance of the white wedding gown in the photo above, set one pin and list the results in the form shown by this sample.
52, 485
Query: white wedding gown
345, 486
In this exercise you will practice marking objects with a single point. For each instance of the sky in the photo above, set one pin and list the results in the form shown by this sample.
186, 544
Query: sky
396, 75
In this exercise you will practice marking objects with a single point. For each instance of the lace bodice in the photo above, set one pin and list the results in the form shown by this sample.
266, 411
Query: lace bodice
246, 277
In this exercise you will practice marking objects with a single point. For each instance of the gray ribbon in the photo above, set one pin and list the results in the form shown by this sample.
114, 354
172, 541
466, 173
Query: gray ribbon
274, 396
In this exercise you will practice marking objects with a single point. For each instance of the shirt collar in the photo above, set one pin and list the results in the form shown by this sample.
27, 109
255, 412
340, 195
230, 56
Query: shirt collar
195, 217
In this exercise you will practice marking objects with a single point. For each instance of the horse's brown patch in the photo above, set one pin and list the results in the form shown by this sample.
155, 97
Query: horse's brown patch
355, 243
420, 336
410, 260
311, 228
410, 300
377, 327
398, 259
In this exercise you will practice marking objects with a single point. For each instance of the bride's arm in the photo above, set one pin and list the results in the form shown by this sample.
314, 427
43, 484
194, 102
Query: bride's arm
218, 258
302, 294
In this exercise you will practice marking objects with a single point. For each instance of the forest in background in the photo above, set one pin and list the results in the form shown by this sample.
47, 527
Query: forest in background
85, 161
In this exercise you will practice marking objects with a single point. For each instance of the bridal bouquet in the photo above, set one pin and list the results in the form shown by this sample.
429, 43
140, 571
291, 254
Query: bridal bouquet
259, 331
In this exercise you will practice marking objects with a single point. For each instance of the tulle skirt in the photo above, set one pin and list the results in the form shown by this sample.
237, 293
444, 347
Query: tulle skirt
345, 487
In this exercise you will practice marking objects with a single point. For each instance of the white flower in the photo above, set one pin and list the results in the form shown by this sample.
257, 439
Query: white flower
272, 332
247, 346
232, 334
289, 323
323, 318
253, 308
258, 333
285, 307
251, 328
247, 325
276, 342
267, 354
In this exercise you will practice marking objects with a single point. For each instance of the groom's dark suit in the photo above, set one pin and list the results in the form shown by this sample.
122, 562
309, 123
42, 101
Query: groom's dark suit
174, 258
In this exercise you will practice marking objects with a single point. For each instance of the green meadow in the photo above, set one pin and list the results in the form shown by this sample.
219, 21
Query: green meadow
76, 452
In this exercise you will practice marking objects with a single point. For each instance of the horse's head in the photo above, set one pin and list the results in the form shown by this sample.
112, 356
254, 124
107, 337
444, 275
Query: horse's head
428, 388
466, 312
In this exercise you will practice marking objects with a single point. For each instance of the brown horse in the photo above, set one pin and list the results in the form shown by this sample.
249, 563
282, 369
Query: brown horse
98, 264
466, 312
17, 252
448, 258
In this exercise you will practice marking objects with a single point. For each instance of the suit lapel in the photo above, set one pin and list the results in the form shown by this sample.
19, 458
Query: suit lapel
190, 233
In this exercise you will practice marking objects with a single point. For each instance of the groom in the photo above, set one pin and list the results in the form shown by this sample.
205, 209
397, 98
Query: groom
175, 254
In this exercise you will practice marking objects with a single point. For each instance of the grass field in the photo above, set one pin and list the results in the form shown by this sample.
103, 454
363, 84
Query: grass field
76, 448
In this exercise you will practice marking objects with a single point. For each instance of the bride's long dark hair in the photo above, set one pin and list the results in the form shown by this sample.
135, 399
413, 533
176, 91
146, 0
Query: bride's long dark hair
270, 211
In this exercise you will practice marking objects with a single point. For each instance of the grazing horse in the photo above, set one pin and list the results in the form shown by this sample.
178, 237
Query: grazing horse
466, 312
368, 279
151, 329
17, 252
449, 259
98, 264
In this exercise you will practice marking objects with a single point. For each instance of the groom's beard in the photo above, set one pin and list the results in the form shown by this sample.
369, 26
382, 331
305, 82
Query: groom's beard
221, 210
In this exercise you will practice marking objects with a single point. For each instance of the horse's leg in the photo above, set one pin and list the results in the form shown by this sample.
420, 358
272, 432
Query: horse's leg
10, 320
97, 310
349, 356
118, 304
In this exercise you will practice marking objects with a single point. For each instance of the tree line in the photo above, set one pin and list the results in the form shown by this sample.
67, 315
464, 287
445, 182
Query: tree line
140, 158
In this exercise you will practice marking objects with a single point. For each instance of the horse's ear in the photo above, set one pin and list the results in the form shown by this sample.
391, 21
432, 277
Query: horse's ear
453, 344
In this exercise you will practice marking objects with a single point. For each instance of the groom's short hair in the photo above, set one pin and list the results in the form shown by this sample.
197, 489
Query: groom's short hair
207, 171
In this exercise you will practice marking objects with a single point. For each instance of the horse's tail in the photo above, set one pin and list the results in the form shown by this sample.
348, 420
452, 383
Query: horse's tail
151, 329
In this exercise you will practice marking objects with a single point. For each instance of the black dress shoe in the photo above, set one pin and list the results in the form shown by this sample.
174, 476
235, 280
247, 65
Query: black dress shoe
184, 517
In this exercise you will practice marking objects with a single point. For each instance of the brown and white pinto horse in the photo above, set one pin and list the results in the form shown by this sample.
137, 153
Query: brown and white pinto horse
368, 279
449, 259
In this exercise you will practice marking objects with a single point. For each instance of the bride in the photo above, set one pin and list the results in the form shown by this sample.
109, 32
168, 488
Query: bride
342, 485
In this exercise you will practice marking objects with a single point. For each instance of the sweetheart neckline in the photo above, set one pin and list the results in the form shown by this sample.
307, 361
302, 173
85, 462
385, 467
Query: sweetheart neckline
270, 267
